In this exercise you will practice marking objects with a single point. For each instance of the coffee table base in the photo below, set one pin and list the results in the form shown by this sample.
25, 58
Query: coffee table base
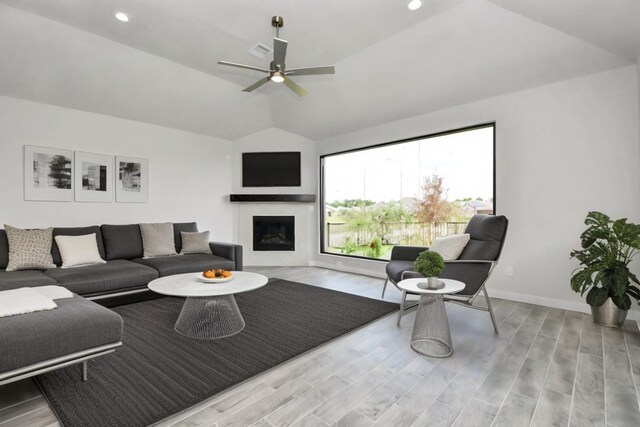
210, 317
431, 336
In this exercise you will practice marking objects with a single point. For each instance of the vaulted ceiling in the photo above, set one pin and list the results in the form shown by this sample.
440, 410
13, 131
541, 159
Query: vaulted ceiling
390, 62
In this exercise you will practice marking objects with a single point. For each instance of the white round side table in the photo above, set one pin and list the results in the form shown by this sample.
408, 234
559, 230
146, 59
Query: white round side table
431, 336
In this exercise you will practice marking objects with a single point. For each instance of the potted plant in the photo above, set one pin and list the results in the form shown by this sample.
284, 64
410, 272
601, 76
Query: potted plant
429, 264
608, 246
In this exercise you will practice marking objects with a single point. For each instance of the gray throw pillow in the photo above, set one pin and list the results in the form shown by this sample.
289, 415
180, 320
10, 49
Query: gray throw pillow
29, 249
195, 243
157, 239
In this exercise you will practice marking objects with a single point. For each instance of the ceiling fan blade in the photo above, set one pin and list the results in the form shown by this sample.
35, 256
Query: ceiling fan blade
256, 85
279, 52
294, 87
248, 67
308, 71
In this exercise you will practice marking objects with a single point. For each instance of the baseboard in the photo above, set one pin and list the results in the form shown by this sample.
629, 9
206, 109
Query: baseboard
348, 269
581, 307
527, 298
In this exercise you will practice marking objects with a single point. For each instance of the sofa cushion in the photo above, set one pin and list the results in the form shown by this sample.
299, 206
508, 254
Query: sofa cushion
23, 278
187, 227
158, 239
97, 279
122, 241
4, 249
77, 324
167, 266
29, 249
75, 231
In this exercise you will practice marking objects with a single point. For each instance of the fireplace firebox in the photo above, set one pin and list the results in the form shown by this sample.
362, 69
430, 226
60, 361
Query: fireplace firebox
273, 233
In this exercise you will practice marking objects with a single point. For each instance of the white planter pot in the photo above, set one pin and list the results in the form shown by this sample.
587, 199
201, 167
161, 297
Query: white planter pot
432, 282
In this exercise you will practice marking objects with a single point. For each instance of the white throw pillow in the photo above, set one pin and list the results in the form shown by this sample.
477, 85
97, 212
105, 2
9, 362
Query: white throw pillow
77, 251
450, 247
157, 239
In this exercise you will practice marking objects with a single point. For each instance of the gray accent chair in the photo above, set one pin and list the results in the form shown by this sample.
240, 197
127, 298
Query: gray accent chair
473, 267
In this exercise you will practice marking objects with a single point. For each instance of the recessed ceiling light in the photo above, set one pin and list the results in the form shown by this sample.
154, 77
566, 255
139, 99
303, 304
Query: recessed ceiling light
121, 16
414, 4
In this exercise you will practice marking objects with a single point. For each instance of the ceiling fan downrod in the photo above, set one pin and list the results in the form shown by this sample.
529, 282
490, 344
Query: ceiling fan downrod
278, 22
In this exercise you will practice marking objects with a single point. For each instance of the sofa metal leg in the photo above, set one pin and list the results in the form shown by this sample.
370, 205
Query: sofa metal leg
404, 296
84, 370
384, 287
493, 318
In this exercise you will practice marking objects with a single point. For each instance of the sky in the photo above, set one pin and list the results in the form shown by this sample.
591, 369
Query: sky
464, 160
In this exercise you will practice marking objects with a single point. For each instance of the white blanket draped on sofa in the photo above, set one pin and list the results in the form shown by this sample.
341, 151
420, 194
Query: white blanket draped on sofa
29, 300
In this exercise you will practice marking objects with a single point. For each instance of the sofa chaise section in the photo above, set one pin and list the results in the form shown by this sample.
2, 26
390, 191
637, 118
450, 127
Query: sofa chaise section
75, 331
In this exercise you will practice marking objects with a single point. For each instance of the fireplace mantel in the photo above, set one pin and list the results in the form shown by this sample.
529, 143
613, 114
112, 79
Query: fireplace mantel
289, 198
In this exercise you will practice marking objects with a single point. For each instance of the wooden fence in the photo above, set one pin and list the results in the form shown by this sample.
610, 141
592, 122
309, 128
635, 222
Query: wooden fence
412, 234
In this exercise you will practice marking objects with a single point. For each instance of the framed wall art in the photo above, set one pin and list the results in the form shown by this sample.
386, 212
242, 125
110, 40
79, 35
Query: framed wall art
132, 180
48, 174
93, 177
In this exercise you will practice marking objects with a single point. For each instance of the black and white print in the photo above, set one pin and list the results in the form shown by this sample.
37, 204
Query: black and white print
94, 177
48, 174
132, 183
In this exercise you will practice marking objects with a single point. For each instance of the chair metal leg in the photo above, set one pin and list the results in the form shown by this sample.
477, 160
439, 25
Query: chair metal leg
493, 318
384, 287
84, 370
404, 296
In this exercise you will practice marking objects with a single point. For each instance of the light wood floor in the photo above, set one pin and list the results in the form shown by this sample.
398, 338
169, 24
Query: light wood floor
547, 367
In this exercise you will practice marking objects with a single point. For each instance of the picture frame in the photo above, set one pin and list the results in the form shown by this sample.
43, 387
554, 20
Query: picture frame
93, 177
48, 174
132, 179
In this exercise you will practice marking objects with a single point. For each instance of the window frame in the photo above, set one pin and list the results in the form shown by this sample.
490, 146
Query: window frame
321, 198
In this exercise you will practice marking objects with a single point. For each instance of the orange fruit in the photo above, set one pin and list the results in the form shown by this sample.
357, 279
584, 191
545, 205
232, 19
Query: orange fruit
209, 274
226, 274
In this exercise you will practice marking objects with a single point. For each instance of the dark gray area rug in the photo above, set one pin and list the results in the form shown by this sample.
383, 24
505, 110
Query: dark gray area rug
158, 373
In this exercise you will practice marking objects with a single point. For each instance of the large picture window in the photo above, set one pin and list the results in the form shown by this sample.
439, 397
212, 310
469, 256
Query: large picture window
406, 193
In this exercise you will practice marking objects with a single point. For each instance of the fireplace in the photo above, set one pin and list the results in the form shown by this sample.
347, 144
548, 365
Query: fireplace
273, 233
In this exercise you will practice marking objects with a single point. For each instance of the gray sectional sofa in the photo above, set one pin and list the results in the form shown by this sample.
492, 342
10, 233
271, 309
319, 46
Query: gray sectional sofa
79, 329
126, 271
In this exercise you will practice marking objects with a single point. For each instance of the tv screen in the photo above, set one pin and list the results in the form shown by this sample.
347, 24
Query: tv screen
271, 169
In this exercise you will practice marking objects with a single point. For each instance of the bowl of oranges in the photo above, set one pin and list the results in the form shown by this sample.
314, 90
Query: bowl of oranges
216, 276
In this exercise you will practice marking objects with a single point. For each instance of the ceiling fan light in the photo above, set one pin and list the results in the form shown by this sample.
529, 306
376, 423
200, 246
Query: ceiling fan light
277, 77
121, 16
414, 4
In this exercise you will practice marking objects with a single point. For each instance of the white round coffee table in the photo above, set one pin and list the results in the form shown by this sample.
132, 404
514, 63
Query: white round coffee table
431, 335
210, 311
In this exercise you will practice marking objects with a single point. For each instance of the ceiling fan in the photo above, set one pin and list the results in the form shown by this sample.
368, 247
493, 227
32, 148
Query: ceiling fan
278, 73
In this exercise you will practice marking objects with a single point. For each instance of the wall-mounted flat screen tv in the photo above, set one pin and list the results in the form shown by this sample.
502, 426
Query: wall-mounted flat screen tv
271, 169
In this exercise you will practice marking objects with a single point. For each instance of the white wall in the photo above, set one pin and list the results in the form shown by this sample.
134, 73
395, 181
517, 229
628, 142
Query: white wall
638, 84
562, 150
275, 139
190, 175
